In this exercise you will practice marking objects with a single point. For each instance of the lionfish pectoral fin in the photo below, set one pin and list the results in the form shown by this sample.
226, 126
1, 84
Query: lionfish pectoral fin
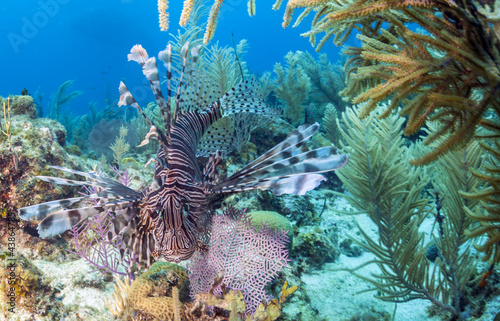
135, 230
55, 216
299, 184
288, 168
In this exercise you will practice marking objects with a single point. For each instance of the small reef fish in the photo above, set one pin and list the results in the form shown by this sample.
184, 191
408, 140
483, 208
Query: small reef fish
170, 217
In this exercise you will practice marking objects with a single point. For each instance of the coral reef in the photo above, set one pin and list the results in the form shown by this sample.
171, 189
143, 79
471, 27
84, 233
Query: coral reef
21, 105
37, 143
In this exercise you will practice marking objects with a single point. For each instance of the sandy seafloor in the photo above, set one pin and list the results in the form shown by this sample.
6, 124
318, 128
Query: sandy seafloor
334, 294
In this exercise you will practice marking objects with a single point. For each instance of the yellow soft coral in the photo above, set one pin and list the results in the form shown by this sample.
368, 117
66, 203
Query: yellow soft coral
163, 14
153, 296
146, 291
213, 16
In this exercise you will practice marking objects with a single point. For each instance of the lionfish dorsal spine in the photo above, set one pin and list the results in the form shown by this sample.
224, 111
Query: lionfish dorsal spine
166, 57
126, 98
184, 53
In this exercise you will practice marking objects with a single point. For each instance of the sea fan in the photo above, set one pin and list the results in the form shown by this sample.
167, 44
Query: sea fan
91, 238
249, 258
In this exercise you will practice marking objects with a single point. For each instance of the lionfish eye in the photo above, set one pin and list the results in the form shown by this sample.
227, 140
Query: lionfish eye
185, 210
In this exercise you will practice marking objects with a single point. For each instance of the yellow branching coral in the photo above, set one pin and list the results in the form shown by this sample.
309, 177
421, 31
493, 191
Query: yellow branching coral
433, 74
122, 290
186, 12
213, 17
489, 198
163, 14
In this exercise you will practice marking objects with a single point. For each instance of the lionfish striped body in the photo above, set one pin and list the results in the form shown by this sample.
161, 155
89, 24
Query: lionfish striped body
170, 217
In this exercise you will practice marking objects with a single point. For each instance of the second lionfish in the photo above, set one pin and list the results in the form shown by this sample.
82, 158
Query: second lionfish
170, 217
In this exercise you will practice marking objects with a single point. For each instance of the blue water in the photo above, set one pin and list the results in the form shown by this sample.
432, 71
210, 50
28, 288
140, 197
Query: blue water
46, 42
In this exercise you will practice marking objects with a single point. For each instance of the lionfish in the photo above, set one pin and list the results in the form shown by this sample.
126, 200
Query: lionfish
170, 217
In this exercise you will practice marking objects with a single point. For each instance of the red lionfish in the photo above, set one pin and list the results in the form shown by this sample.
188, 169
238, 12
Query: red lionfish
169, 218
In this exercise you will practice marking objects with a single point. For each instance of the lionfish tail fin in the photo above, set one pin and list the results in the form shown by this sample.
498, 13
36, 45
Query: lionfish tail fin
56, 217
288, 168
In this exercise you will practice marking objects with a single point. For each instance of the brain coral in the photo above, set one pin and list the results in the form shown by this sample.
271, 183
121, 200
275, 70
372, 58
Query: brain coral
157, 294
275, 221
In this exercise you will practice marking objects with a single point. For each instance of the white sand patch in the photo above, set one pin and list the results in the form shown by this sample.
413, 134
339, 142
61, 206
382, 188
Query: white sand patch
69, 279
335, 294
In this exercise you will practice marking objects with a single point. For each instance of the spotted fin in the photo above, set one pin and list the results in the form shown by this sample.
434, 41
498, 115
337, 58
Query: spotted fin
244, 97
216, 138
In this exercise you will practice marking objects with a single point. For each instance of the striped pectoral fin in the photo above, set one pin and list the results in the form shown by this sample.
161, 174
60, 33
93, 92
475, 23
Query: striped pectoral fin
135, 231
59, 222
40, 211
114, 188
288, 168
139, 244
297, 184
320, 160
290, 147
